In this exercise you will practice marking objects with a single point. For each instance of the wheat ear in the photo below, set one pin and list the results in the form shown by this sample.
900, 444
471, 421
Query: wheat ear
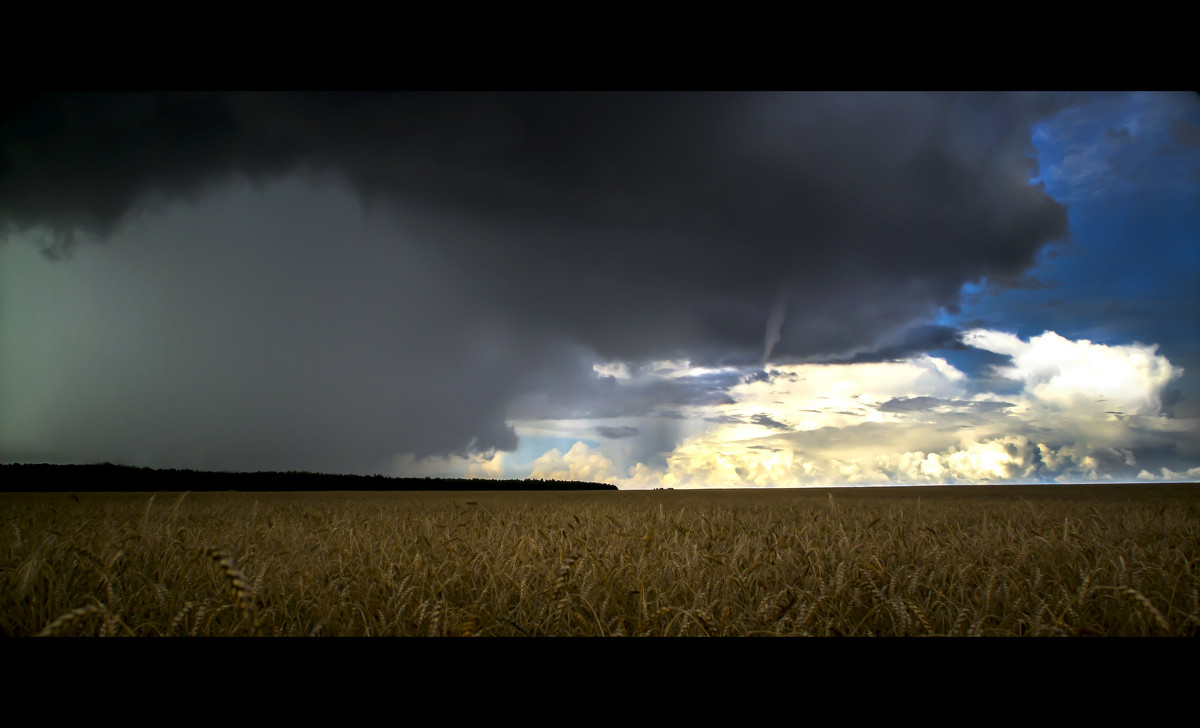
237, 582
60, 624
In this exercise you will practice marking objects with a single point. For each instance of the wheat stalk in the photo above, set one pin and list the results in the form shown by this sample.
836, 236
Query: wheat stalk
60, 624
237, 582
1146, 604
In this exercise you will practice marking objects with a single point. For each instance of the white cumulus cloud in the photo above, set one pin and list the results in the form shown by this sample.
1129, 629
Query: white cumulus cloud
579, 463
1080, 374
1192, 475
1083, 413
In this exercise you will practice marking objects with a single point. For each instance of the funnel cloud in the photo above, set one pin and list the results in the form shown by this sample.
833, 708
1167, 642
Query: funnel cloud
774, 325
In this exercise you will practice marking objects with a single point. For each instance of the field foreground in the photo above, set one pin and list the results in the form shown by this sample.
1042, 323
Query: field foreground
1028, 560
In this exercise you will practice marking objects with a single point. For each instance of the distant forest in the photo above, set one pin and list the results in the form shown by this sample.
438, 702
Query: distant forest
107, 477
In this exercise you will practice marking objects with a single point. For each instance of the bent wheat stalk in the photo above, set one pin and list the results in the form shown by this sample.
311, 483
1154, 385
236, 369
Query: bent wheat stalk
237, 583
60, 624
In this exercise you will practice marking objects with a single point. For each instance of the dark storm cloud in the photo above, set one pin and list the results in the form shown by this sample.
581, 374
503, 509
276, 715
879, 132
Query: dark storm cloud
658, 437
614, 433
80, 162
567, 389
196, 343
636, 226
909, 342
688, 210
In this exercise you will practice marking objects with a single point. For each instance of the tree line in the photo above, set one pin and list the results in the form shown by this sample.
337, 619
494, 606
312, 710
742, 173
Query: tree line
107, 477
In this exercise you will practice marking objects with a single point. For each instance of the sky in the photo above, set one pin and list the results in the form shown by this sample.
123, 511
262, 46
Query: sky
687, 290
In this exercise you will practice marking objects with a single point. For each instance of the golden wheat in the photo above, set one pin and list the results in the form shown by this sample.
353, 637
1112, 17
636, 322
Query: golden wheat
1053, 562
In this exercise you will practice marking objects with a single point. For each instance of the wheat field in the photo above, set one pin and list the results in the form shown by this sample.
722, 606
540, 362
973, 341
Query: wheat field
1031, 560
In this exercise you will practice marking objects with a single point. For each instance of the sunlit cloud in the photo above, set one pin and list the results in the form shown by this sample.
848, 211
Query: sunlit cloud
579, 463
484, 467
618, 369
1083, 413
475, 465
1191, 475
1081, 375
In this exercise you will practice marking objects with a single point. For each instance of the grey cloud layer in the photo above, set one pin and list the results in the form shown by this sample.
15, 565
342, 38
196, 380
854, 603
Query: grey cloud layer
924, 404
634, 226
690, 211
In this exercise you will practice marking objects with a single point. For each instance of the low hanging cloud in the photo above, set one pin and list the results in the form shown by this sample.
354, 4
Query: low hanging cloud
1191, 475
579, 463
927, 404
473, 465
917, 421
614, 433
